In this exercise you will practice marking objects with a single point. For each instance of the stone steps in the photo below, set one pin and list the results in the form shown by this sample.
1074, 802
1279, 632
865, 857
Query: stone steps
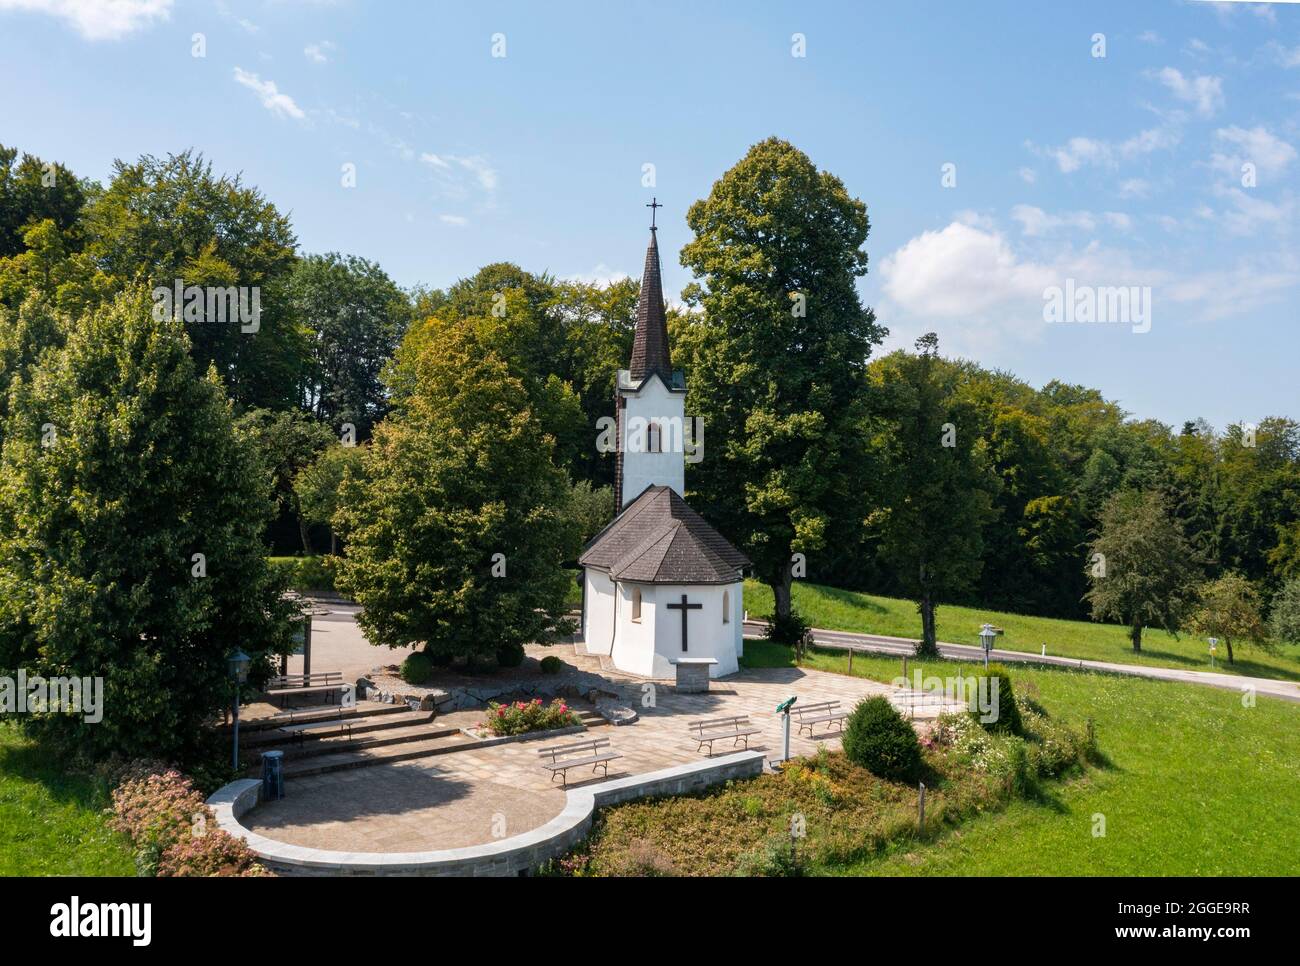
325, 712
412, 743
341, 744
385, 755
361, 725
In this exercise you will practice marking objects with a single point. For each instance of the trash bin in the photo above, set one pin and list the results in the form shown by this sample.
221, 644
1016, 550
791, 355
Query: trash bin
272, 776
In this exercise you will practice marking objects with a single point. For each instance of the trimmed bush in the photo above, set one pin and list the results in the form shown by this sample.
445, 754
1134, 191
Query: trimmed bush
510, 655
552, 664
878, 738
417, 669
1004, 711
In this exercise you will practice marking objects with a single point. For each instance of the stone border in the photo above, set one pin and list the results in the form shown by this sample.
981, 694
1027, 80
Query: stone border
517, 855
488, 740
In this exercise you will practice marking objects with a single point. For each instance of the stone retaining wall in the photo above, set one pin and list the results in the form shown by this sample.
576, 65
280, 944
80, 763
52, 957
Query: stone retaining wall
517, 855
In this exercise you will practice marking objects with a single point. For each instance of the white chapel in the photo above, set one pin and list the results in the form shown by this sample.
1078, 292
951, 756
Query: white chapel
659, 583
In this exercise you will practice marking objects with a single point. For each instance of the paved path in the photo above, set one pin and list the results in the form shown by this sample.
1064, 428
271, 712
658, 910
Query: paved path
473, 796
876, 643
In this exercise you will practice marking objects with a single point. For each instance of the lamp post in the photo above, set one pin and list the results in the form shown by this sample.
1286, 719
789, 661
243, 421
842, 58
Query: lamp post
1214, 646
987, 636
238, 664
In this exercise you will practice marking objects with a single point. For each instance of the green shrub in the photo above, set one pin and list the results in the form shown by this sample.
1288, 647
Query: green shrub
878, 738
417, 668
1004, 713
552, 664
791, 630
510, 655
776, 857
306, 573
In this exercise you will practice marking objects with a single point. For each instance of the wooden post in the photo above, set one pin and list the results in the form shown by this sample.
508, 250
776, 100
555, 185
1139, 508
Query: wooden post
920, 816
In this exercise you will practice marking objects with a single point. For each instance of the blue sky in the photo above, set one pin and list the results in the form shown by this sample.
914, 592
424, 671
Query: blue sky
1122, 170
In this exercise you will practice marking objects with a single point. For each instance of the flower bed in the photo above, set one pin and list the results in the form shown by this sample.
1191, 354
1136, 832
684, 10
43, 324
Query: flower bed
173, 832
522, 717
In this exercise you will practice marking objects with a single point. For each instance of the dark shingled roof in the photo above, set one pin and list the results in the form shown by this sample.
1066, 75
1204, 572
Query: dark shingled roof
658, 539
650, 343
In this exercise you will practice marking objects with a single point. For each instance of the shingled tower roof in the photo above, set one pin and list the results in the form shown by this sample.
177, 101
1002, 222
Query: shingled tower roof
650, 345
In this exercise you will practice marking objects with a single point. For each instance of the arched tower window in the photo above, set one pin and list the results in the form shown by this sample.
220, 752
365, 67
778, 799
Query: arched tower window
636, 603
653, 444
726, 607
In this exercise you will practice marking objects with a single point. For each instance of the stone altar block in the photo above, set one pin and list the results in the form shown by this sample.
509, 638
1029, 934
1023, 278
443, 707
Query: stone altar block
693, 674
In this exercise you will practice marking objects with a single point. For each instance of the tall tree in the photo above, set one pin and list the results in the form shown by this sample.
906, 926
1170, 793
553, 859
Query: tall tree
777, 366
131, 518
1228, 609
1142, 571
32, 191
318, 485
938, 486
460, 523
353, 317
287, 443
173, 219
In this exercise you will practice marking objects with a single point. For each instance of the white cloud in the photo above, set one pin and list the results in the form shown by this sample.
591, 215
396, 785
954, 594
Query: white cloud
1134, 188
1150, 37
273, 99
978, 291
960, 271
1080, 151
602, 275
1028, 175
1286, 56
1269, 153
1250, 214
1035, 222
474, 165
458, 221
318, 53
98, 19
1203, 91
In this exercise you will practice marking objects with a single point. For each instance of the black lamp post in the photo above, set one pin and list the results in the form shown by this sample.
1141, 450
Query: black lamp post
238, 663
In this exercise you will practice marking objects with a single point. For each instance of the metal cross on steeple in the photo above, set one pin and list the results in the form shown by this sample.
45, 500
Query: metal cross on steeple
654, 203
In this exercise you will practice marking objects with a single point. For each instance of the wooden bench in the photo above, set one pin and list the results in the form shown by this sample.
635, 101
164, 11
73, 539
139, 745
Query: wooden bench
298, 732
286, 685
596, 753
736, 727
814, 714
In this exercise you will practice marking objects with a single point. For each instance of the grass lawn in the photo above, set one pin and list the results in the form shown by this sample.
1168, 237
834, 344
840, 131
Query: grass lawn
52, 823
1196, 783
847, 610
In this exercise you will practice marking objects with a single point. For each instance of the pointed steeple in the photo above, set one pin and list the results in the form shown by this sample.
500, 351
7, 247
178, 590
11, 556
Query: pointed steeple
650, 344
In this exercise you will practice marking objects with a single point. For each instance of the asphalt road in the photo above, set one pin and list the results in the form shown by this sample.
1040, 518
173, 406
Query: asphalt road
877, 644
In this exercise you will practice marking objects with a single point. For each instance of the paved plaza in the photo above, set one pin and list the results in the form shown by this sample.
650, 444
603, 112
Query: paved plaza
474, 796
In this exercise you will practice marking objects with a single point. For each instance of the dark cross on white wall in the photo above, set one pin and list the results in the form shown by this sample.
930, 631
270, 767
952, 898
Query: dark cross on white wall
684, 607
